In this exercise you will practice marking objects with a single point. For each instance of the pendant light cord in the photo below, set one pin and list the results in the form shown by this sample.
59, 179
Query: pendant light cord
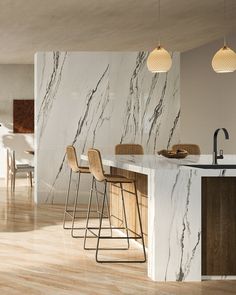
224, 23
159, 22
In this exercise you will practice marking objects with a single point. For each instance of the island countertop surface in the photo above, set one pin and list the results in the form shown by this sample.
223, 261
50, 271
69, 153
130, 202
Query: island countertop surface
145, 163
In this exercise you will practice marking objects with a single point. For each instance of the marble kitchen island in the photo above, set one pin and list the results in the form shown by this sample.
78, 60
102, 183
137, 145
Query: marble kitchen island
174, 210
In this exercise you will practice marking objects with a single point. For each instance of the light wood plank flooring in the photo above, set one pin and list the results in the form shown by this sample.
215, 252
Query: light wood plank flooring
38, 257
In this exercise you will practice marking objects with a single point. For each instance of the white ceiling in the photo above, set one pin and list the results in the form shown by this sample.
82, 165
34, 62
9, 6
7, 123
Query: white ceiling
28, 26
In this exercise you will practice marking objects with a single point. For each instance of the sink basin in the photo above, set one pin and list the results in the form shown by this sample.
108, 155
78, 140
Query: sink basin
210, 166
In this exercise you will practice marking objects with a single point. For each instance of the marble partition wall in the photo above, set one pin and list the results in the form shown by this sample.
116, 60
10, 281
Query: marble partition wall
99, 100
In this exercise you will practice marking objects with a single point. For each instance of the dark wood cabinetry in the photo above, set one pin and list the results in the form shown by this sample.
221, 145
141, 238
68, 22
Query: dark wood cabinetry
218, 226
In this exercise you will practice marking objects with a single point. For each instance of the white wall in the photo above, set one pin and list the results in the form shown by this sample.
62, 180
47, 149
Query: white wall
16, 82
208, 99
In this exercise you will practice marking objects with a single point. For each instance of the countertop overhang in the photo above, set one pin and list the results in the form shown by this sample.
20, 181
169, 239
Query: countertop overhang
145, 163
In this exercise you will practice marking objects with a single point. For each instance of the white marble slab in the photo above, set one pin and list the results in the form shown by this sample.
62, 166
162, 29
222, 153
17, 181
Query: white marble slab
174, 211
99, 99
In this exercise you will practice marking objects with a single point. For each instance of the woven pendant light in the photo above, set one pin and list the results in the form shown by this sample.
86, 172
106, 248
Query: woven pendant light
224, 61
159, 60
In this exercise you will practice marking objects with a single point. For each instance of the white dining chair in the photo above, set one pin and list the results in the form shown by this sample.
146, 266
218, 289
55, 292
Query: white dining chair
13, 169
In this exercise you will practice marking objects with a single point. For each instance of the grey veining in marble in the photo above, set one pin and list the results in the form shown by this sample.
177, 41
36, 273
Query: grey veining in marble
49, 96
99, 100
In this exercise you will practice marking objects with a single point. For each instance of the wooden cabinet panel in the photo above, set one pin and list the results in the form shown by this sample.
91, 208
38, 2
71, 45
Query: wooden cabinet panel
130, 203
219, 226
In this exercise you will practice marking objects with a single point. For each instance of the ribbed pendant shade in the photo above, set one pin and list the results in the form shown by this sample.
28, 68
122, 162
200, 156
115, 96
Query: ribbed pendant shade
224, 61
159, 60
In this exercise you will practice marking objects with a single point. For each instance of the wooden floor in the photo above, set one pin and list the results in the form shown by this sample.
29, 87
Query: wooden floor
38, 257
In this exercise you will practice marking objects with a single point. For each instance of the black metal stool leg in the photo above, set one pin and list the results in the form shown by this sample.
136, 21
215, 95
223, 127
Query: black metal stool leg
138, 236
95, 186
100, 222
125, 217
66, 203
108, 213
88, 212
75, 208
140, 223
107, 205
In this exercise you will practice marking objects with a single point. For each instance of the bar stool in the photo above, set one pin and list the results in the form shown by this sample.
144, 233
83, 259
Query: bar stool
74, 168
192, 149
96, 169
